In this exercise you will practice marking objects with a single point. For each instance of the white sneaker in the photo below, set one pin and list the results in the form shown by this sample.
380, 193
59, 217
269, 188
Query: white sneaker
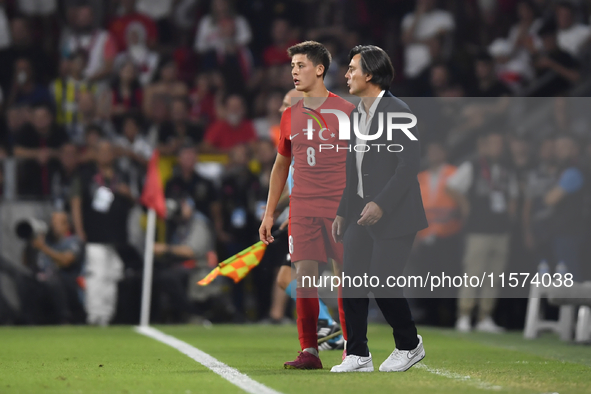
488, 325
463, 324
354, 363
401, 360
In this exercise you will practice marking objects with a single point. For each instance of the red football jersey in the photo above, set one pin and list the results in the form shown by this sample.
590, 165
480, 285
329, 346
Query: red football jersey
319, 171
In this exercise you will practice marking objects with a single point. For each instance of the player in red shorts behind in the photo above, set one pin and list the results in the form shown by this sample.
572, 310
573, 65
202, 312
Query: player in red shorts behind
319, 180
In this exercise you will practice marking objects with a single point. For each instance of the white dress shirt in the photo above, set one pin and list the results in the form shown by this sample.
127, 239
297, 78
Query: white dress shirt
364, 127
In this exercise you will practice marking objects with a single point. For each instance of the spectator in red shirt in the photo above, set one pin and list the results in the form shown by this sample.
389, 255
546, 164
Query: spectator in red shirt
233, 129
130, 17
276, 53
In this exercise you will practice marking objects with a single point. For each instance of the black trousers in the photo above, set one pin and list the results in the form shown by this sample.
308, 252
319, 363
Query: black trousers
365, 254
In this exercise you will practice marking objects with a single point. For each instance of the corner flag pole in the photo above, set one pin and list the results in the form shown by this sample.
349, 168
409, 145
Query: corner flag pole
148, 269
153, 199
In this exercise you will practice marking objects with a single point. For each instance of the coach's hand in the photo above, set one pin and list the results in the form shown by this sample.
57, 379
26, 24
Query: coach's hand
370, 214
265, 230
338, 229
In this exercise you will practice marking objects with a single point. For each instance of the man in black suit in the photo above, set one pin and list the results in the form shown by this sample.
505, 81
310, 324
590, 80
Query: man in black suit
381, 211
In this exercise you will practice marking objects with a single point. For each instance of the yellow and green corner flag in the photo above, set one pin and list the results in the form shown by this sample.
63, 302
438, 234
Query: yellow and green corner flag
239, 265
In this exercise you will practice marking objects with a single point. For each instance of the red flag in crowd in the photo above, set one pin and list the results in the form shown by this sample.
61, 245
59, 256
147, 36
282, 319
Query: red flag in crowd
153, 195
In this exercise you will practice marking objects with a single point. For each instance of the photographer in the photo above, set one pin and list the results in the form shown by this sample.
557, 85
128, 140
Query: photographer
55, 259
101, 201
189, 244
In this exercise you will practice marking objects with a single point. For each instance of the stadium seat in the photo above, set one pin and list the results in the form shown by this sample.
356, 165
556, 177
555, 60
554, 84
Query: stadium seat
583, 329
567, 299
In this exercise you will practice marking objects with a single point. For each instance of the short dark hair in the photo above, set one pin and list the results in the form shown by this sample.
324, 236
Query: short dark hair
94, 129
532, 6
375, 62
46, 106
187, 145
229, 95
568, 5
184, 100
494, 130
569, 136
483, 56
135, 118
315, 51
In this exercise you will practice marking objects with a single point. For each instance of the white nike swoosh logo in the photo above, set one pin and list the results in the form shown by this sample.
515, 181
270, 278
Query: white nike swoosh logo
364, 362
291, 137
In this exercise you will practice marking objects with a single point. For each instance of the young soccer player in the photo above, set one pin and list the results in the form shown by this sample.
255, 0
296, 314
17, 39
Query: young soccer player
326, 324
319, 180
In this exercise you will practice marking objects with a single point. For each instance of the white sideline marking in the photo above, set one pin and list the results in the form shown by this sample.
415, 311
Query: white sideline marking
230, 374
464, 378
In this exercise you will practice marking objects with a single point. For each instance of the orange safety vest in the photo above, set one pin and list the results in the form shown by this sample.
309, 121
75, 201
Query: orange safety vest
442, 211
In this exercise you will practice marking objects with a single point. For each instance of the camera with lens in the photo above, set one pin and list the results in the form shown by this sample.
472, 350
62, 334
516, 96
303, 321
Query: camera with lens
29, 228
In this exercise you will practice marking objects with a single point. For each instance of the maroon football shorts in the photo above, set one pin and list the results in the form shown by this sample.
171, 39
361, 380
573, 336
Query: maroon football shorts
310, 238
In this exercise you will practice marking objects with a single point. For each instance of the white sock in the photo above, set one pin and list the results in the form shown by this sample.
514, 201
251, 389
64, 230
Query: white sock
311, 350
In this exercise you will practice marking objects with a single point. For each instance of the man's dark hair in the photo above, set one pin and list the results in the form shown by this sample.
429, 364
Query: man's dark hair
44, 105
187, 145
229, 95
440, 142
569, 136
315, 51
94, 128
484, 56
184, 100
532, 6
493, 130
134, 117
567, 4
375, 62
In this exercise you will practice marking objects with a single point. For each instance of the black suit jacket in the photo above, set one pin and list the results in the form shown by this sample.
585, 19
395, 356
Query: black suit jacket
389, 179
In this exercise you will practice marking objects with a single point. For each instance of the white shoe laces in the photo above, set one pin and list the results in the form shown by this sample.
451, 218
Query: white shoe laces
397, 354
351, 359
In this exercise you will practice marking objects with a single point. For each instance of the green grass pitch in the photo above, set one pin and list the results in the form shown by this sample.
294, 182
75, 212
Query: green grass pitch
119, 360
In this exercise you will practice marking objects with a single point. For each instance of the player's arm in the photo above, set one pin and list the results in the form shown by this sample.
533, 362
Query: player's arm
283, 200
277, 183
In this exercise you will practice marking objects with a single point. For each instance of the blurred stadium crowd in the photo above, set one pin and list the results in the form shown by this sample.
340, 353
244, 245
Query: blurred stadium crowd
90, 88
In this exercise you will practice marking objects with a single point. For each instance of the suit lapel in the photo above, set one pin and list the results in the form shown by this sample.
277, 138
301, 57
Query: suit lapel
375, 122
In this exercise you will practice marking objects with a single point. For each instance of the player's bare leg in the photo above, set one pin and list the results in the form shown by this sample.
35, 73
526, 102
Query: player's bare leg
307, 309
279, 297
284, 276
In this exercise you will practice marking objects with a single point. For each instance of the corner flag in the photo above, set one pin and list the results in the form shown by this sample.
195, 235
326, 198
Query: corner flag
153, 199
153, 194
239, 265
